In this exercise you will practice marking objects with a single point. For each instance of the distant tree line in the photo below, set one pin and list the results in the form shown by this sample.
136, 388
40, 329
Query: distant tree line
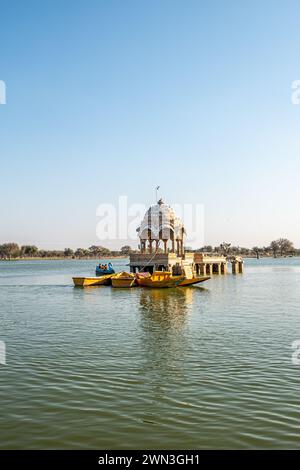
277, 248
14, 251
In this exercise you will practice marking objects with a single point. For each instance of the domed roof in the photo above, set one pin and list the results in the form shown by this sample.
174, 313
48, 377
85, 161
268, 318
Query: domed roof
161, 221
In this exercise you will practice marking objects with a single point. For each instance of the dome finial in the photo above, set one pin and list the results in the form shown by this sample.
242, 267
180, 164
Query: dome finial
156, 190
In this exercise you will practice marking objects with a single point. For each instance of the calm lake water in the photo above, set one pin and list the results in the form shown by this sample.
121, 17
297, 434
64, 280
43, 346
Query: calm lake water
198, 367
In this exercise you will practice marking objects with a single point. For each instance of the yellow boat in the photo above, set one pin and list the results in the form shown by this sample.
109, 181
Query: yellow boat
160, 279
193, 280
123, 280
92, 281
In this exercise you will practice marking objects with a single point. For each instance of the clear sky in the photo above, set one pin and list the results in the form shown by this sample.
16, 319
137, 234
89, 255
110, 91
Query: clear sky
113, 97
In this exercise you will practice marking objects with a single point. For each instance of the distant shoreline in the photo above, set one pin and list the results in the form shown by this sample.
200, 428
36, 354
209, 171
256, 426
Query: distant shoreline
62, 258
97, 258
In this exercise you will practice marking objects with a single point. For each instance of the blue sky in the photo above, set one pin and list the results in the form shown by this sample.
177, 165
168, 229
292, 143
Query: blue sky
109, 98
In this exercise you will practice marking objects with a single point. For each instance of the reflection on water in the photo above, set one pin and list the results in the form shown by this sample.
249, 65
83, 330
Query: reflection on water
163, 326
166, 308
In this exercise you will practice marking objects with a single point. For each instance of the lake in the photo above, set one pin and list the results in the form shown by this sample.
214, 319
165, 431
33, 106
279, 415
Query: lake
202, 367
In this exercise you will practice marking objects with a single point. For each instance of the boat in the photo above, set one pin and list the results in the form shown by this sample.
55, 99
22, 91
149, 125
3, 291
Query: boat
159, 279
103, 269
92, 281
193, 280
123, 279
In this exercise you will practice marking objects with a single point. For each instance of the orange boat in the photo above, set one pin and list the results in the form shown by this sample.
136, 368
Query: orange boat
159, 279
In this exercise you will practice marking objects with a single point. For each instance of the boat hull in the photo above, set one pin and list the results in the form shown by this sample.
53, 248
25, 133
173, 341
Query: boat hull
103, 272
159, 280
156, 284
123, 280
193, 280
92, 281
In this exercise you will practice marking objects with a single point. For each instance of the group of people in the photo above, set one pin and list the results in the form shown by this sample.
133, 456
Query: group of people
103, 266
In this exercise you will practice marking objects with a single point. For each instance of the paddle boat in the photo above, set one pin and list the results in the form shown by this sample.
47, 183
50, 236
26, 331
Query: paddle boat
160, 279
103, 269
92, 281
123, 279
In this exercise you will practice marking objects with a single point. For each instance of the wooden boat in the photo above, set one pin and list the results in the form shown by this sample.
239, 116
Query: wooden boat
193, 280
92, 281
159, 279
123, 280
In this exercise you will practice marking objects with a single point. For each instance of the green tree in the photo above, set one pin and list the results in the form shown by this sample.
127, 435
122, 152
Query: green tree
43, 253
94, 250
225, 248
68, 252
257, 251
98, 251
274, 247
126, 250
29, 250
285, 246
81, 252
9, 250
